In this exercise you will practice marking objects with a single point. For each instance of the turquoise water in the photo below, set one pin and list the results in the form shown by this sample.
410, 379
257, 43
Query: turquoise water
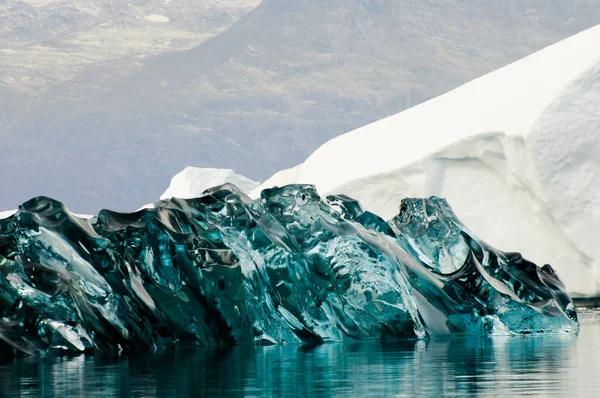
549, 365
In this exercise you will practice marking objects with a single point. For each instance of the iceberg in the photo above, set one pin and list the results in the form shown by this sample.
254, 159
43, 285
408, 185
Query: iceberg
522, 140
191, 182
287, 267
7, 213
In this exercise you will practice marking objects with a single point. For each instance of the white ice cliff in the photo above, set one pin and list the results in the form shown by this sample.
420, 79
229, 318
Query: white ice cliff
516, 153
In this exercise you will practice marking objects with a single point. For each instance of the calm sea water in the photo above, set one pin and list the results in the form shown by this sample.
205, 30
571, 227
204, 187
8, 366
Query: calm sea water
455, 366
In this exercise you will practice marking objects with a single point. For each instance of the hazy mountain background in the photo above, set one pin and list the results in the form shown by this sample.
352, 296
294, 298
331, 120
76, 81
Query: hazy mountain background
102, 102
47, 42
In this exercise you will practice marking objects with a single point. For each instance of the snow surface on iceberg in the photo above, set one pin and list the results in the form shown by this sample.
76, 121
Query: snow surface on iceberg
288, 267
191, 182
515, 152
7, 213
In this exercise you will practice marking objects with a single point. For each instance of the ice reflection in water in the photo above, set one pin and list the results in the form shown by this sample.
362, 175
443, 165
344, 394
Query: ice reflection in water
458, 365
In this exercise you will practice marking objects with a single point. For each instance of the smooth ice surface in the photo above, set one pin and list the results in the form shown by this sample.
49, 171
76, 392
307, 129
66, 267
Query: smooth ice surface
522, 141
288, 267
191, 182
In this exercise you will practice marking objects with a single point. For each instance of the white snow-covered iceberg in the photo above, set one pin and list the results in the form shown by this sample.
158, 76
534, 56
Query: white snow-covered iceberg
516, 153
6, 213
192, 181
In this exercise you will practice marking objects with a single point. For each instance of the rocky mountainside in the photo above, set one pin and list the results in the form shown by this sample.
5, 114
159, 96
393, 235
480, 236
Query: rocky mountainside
47, 42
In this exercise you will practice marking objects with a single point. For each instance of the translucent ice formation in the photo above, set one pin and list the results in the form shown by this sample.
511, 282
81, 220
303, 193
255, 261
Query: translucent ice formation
285, 268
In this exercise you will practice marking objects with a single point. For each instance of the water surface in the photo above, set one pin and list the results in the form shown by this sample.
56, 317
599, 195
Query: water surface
563, 365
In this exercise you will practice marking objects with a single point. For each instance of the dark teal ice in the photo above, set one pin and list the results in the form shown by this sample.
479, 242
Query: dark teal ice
288, 267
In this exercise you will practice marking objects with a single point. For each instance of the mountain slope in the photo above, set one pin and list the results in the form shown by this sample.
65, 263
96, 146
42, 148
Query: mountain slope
47, 42
515, 152
264, 94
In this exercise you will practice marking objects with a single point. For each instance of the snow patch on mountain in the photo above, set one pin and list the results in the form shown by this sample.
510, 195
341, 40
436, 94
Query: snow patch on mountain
193, 181
156, 18
514, 152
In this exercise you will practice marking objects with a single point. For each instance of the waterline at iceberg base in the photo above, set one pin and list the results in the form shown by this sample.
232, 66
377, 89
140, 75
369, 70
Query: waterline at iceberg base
288, 267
